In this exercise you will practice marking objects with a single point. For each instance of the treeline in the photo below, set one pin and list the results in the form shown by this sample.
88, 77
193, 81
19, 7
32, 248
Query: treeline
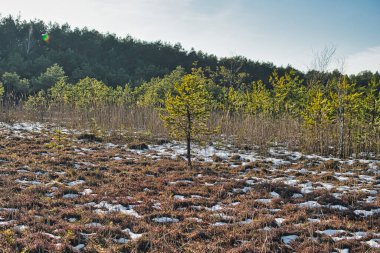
338, 116
28, 48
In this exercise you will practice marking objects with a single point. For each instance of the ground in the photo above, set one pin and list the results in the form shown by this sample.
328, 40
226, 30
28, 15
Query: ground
62, 193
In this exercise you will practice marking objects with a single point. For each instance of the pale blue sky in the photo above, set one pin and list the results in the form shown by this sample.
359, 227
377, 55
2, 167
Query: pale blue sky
280, 31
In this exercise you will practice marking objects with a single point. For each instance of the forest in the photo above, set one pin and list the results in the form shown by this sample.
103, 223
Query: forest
106, 57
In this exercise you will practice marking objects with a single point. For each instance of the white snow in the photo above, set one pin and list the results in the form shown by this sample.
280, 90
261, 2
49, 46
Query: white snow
341, 178
6, 223
288, 239
264, 201
179, 197
331, 232
327, 186
343, 188
157, 206
279, 221
181, 181
51, 236
110, 145
223, 216
115, 208
121, 240
370, 199
8, 209
74, 183
297, 196
28, 182
310, 204
93, 225
20, 228
214, 208
72, 220
275, 195
70, 196
218, 224
367, 213
306, 187
24, 126
355, 236
165, 220
366, 178
194, 219
343, 250
374, 243
339, 207
79, 247
87, 192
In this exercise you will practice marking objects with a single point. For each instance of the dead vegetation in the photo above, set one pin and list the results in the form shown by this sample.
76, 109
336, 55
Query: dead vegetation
89, 196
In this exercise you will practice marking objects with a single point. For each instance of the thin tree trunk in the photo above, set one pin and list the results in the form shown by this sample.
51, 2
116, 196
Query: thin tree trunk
341, 133
341, 115
188, 138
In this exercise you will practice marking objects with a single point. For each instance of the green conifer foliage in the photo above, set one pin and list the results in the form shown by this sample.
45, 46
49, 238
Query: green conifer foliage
187, 111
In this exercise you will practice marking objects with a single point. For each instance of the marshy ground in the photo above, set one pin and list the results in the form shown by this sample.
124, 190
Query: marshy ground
64, 194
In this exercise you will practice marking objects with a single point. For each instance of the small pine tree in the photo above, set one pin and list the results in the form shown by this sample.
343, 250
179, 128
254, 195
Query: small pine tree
1, 95
38, 103
259, 99
318, 110
235, 100
371, 101
346, 101
1, 90
187, 112
90, 93
288, 92
317, 115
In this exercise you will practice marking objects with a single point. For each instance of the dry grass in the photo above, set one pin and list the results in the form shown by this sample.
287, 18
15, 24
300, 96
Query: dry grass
212, 193
246, 131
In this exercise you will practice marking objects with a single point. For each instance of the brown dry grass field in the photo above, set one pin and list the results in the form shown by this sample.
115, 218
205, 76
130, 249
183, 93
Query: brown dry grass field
76, 194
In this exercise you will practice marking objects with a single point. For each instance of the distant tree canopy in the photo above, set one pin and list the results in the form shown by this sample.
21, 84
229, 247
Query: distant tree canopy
35, 55
106, 57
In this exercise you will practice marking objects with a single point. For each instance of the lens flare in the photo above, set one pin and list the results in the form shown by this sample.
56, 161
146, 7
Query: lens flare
45, 37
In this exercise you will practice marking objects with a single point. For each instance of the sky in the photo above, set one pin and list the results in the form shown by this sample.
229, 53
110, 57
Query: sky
285, 32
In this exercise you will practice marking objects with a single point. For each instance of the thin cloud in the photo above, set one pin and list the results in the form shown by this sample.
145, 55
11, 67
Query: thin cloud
368, 59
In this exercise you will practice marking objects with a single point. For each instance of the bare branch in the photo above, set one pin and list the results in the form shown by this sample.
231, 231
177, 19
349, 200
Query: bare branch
322, 59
